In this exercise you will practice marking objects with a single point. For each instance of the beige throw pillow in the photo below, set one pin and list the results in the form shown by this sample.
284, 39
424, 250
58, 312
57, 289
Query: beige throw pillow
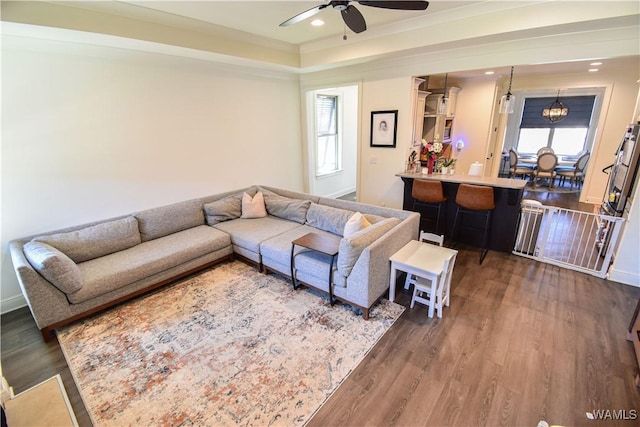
356, 223
253, 207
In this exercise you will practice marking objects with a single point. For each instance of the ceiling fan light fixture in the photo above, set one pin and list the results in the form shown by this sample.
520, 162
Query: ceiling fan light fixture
351, 16
317, 22
508, 101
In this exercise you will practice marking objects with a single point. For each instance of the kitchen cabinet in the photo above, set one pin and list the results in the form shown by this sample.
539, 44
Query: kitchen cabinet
439, 127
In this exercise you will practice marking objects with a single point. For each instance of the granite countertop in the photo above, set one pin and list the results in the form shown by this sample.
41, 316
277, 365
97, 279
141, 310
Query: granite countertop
490, 181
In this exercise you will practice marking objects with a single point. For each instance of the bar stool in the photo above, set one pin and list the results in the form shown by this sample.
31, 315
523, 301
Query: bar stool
428, 194
475, 200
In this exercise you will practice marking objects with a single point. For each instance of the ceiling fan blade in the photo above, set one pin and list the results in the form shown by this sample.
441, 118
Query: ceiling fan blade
304, 15
400, 5
354, 19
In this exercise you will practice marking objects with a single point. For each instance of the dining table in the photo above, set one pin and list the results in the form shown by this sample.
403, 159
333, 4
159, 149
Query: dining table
563, 161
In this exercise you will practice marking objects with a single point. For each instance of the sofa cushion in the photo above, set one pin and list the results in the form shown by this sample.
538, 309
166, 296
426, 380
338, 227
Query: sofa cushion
328, 218
249, 233
54, 266
253, 207
105, 274
224, 209
158, 222
356, 223
96, 240
285, 207
351, 247
276, 254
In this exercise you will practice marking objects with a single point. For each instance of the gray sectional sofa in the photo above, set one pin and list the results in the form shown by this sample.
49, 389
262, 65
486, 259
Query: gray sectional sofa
69, 274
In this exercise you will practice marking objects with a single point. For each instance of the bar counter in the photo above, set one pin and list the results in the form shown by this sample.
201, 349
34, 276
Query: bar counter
507, 195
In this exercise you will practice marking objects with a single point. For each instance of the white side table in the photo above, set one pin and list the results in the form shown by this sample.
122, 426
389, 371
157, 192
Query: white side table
423, 260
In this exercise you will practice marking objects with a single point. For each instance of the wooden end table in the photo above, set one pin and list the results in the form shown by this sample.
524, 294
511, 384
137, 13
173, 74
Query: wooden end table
327, 245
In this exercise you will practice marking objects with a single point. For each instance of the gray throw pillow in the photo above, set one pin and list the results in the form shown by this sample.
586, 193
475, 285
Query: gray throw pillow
165, 220
285, 207
224, 209
328, 218
54, 266
96, 240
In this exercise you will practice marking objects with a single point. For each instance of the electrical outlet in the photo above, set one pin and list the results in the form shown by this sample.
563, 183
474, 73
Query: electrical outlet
373, 160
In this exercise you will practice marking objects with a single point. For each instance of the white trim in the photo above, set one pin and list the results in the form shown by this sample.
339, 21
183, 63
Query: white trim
12, 303
631, 278
26, 31
341, 193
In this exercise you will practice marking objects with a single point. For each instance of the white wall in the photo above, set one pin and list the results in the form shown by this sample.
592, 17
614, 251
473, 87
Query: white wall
626, 265
92, 132
378, 185
344, 181
472, 122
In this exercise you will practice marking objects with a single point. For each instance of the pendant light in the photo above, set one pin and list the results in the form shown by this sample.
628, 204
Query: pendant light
508, 100
442, 105
556, 111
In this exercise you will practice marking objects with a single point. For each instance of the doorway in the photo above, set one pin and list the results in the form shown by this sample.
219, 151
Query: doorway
332, 138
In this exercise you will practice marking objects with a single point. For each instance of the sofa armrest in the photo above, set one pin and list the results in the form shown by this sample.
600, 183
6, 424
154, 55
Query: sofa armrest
369, 279
47, 303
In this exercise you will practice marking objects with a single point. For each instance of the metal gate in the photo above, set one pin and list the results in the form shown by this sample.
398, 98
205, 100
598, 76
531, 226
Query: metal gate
571, 239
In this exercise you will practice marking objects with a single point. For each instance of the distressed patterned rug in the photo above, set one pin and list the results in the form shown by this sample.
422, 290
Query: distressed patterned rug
229, 346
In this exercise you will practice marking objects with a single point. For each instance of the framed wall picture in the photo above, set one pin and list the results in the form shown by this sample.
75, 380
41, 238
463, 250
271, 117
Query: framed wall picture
383, 128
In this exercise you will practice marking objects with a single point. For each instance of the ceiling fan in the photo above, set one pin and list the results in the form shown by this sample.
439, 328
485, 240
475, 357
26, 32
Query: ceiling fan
351, 16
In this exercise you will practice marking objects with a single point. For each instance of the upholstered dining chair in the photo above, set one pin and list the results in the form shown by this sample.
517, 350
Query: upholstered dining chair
545, 150
545, 168
516, 169
575, 174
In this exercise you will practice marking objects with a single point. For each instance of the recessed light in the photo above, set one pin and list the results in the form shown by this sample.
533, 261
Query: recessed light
488, 73
596, 63
593, 70
317, 22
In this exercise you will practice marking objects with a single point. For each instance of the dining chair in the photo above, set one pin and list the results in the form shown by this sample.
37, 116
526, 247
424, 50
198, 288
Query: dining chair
575, 174
545, 168
437, 239
545, 150
516, 169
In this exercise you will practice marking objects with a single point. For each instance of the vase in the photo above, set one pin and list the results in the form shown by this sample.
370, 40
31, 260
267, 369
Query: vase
444, 170
430, 163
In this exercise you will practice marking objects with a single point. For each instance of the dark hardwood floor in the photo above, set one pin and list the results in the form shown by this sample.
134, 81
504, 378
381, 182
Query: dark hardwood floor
521, 342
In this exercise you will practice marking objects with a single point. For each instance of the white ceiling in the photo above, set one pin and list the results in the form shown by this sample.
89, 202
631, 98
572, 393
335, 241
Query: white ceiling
262, 17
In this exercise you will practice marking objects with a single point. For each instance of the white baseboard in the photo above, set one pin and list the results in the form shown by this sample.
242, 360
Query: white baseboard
340, 193
631, 278
12, 303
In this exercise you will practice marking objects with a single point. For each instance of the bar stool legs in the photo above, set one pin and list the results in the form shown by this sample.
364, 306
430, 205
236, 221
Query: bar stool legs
474, 200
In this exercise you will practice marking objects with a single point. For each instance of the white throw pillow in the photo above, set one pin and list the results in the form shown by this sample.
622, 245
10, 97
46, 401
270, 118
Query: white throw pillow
253, 207
356, 223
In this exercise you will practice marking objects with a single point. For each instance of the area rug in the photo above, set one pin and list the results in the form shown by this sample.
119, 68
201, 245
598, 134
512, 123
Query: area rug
229, 346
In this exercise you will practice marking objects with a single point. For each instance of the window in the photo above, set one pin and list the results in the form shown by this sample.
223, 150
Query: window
567, 137
327, 136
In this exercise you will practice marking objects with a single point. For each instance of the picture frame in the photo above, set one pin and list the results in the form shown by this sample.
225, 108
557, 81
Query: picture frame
384, 128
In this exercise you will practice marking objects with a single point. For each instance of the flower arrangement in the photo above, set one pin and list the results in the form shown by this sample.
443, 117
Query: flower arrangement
431, 150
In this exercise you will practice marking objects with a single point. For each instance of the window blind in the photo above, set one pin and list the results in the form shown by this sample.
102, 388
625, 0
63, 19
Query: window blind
326, 114
580, 109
